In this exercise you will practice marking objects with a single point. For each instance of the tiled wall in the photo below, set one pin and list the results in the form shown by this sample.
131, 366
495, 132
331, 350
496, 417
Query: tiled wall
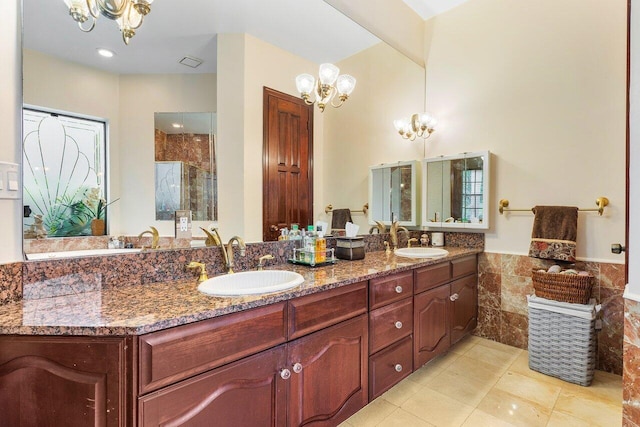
631, 374
505, 282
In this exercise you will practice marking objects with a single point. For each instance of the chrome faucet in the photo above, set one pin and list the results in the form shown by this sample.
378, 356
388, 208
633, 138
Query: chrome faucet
215, 239
393, 234
155, 237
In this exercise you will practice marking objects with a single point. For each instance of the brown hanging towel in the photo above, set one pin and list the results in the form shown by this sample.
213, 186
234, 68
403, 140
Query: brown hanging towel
554, 233
339, 218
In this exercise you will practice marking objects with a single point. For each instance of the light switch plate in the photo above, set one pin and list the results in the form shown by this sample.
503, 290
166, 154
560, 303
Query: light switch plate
10, 181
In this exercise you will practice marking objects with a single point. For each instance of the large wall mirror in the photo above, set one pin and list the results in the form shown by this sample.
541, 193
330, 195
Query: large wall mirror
456, 191
63, 72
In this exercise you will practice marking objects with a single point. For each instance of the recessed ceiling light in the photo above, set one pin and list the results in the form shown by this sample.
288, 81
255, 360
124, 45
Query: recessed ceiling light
105, 52
176, 125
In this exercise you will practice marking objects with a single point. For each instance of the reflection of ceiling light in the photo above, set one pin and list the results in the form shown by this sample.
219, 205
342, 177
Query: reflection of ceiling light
127, 13
328, 85
420, 125
105, 52
176, 125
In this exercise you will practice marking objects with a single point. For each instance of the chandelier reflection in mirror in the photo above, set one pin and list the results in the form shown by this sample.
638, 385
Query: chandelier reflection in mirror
418, 125
330, 83
128, 14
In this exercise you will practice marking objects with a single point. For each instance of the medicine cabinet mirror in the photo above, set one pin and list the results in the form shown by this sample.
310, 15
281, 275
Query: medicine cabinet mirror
185, 156
456, 191
393, 193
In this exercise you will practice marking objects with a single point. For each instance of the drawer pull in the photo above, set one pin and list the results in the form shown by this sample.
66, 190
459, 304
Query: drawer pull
398, 367
398, 325
398, 289
297, 368
285, 374
454, 297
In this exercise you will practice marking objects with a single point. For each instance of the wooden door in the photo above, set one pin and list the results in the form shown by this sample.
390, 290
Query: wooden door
287, 195
464, 307
249, 392
330, 382
430, 325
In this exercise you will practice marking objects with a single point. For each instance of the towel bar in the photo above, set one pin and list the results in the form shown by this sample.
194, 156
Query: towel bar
364, 210
601, 202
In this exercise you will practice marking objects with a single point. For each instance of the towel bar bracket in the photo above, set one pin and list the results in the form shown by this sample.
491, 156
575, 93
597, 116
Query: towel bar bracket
601, 202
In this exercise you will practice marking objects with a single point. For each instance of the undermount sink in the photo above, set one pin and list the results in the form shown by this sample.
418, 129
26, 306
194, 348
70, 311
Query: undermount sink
251, 282
421, 252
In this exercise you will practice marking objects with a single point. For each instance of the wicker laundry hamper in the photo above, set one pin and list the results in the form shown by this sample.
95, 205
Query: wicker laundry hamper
562, 287
562, 339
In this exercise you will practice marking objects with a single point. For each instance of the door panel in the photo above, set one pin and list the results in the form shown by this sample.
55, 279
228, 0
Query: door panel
287, 163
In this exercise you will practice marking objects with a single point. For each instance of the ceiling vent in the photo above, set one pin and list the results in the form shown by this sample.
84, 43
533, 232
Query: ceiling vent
190, 61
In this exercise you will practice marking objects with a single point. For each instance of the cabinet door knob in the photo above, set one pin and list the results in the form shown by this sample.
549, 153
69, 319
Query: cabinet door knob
297, 368
398, 367
398, 325
454, 297
273, 227
398, 289
285, 374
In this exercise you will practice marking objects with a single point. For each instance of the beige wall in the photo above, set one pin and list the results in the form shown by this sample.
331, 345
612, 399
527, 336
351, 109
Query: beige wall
140, 97
10, 123
250, 64
390, 20
361, 134
128, 103
542, 86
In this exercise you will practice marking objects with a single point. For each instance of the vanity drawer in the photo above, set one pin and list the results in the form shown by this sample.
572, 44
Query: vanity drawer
464, 266
390, 323
389, 366
174, 354
314, 312
390, 289
432, 276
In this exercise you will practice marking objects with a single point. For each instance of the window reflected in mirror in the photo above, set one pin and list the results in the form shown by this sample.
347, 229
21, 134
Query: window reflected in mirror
64, 181
456, 191
185, 165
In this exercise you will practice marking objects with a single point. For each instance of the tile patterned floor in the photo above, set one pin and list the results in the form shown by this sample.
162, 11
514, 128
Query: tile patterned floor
484, 383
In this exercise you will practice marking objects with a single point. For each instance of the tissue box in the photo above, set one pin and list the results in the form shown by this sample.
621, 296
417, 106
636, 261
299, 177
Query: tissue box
350, 248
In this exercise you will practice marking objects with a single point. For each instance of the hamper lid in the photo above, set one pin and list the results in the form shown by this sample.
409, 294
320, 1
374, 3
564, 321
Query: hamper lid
584, 311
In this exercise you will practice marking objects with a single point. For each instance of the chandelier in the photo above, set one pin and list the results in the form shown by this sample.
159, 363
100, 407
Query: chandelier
127, 13
418, 125
329, 84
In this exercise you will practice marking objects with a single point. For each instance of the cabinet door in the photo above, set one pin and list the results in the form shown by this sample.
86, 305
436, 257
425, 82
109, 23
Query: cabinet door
249, 392
464, 307
431, 324
65, 381
329, 374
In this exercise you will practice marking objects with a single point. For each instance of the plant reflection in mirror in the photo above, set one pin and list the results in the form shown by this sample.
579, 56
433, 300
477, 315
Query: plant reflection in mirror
63, 172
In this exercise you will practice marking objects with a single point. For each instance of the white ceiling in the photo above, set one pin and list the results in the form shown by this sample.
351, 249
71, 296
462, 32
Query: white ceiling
429, 8
175, 28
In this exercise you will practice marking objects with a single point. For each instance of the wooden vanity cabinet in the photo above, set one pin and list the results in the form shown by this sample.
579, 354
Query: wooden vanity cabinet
390, 331
66, 381
445, 306
319, 377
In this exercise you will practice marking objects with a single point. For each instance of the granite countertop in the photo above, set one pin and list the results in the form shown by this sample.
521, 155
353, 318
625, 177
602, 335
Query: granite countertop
139, 309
